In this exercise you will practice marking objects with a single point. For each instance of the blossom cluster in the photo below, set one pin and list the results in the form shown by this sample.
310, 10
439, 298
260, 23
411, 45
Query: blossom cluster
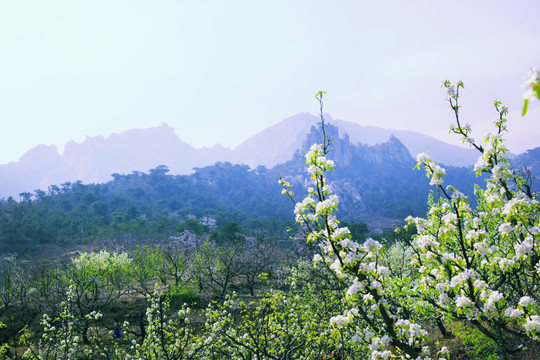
101, 261
474, 262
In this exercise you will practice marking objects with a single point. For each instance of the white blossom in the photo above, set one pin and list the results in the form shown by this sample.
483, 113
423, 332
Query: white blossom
339, 321
532, 324
526, 301
463, 302
513, 313
422, 157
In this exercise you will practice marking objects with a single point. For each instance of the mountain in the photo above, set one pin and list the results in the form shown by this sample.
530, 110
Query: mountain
269, 147
97, 158
30, 171
415, 142
376, 183
134, 150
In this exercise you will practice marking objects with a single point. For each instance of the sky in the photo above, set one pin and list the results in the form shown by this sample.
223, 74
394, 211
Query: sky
219, 71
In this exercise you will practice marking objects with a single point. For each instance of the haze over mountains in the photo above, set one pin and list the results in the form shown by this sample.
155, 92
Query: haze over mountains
96, 158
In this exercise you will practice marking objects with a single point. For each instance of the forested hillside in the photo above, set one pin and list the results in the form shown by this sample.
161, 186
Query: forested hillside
377, 184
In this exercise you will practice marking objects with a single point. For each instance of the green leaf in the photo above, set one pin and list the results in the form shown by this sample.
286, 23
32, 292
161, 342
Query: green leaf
525, 107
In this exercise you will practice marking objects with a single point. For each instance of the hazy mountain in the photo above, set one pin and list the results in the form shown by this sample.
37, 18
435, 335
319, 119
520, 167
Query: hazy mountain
415, 142
134, 150
96, 158
270, 147
30, 171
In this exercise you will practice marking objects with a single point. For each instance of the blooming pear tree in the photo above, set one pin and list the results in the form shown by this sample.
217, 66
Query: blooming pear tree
97, 279
282, 325
475, 261
378, 318
168, 337
60, 339
482, 263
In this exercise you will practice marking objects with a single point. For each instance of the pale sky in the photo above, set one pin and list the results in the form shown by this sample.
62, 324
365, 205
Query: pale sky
219, 71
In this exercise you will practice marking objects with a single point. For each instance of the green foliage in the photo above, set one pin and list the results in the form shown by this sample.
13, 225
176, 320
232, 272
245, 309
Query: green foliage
193, 226
229, 233
146, 268
182, 295
143, 205
359, 230
477, 345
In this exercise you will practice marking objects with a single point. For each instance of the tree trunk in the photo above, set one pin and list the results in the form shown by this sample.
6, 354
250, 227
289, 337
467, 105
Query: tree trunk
442, 328
142, 326
85, 333
501, 348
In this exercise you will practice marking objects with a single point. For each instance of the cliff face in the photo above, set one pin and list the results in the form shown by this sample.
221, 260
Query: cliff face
415, 142
391, 153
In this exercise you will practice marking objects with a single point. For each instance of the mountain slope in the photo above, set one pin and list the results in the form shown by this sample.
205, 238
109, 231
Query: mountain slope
376, 185
529, 164
275, 144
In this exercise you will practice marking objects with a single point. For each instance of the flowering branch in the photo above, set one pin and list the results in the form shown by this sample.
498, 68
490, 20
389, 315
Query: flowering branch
374, 315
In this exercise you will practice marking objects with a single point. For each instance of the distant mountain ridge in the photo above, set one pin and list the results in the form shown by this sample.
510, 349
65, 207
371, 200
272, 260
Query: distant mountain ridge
97, 158
376, 184
269, 147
